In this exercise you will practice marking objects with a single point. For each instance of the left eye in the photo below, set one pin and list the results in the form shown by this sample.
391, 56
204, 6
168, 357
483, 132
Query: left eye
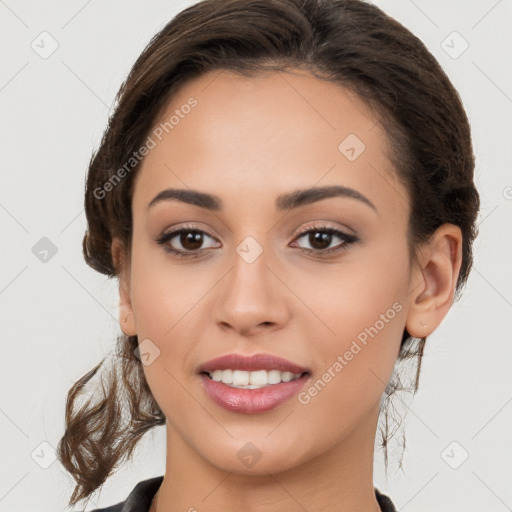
321, 238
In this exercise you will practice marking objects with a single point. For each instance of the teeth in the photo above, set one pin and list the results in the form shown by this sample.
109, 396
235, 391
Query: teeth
258, 378
252, 380
240, 378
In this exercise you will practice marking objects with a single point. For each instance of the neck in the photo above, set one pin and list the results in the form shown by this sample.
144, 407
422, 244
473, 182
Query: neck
340, 479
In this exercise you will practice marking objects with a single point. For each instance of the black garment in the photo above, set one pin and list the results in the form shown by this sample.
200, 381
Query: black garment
139, 500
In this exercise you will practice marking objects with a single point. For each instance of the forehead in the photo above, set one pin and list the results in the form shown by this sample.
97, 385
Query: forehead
266, 135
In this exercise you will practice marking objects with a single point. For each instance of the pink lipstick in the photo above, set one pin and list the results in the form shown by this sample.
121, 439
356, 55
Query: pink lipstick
251, 384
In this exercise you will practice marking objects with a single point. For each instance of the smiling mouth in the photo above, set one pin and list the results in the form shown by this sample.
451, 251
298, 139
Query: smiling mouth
252, 384
242, 379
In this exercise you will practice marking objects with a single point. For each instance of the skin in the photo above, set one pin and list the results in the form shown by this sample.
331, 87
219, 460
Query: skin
248, 141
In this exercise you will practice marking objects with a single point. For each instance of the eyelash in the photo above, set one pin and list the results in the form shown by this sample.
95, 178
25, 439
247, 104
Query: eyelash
346, 238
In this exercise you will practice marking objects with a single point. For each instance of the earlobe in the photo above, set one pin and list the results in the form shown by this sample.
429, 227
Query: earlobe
437, 274
122, 266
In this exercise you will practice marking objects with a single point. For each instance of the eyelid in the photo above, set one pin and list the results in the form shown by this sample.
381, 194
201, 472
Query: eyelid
326, 225
186, 227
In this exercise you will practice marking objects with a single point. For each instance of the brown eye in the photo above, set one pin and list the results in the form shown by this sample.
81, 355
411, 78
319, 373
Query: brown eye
191, 240
185, 242
320, 240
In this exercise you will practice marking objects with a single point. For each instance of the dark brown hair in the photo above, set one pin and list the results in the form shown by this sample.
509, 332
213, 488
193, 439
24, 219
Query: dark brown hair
349, 42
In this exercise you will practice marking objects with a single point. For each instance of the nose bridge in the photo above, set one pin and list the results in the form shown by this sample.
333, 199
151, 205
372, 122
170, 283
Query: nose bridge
250, 273
249, 295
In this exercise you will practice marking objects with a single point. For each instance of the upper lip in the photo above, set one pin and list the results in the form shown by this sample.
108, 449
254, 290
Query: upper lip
251, 363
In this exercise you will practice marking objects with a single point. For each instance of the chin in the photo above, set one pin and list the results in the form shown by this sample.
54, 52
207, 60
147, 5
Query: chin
256, 455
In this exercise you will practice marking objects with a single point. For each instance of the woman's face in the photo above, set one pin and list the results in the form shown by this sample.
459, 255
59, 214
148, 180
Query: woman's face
259, 273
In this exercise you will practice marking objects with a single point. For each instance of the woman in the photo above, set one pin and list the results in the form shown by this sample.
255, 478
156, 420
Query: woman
285, 194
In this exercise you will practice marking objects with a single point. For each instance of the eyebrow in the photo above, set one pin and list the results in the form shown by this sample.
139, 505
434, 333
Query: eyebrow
284, 202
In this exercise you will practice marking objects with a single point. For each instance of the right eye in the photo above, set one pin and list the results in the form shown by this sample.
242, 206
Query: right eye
189, 241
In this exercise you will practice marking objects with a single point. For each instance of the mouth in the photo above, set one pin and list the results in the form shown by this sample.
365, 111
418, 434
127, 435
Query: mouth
242, 379
251, 385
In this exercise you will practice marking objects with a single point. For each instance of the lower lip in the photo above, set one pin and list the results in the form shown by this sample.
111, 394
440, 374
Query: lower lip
252, 401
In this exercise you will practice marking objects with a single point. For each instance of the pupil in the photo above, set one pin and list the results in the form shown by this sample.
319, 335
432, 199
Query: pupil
320, 237
191, 240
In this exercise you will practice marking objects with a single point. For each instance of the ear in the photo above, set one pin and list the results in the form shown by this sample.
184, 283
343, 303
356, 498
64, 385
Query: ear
122, 266
434, 282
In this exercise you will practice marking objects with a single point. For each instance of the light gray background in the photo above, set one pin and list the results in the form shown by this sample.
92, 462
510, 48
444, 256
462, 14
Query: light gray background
59, 317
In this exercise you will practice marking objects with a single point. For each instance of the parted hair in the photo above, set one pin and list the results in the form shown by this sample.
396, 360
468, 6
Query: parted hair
348, 42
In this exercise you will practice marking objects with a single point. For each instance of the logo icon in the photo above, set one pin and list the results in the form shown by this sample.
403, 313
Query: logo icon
249, 249
44, 45
147, 352
44, 250
249, 455
351, 147
454, 455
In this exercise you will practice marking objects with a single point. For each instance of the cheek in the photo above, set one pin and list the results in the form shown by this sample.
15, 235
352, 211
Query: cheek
164, 294
368, 289
171, 310
363, 308
355, 369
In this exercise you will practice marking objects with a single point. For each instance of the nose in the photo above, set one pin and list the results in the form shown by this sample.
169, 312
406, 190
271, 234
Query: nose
251, 299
